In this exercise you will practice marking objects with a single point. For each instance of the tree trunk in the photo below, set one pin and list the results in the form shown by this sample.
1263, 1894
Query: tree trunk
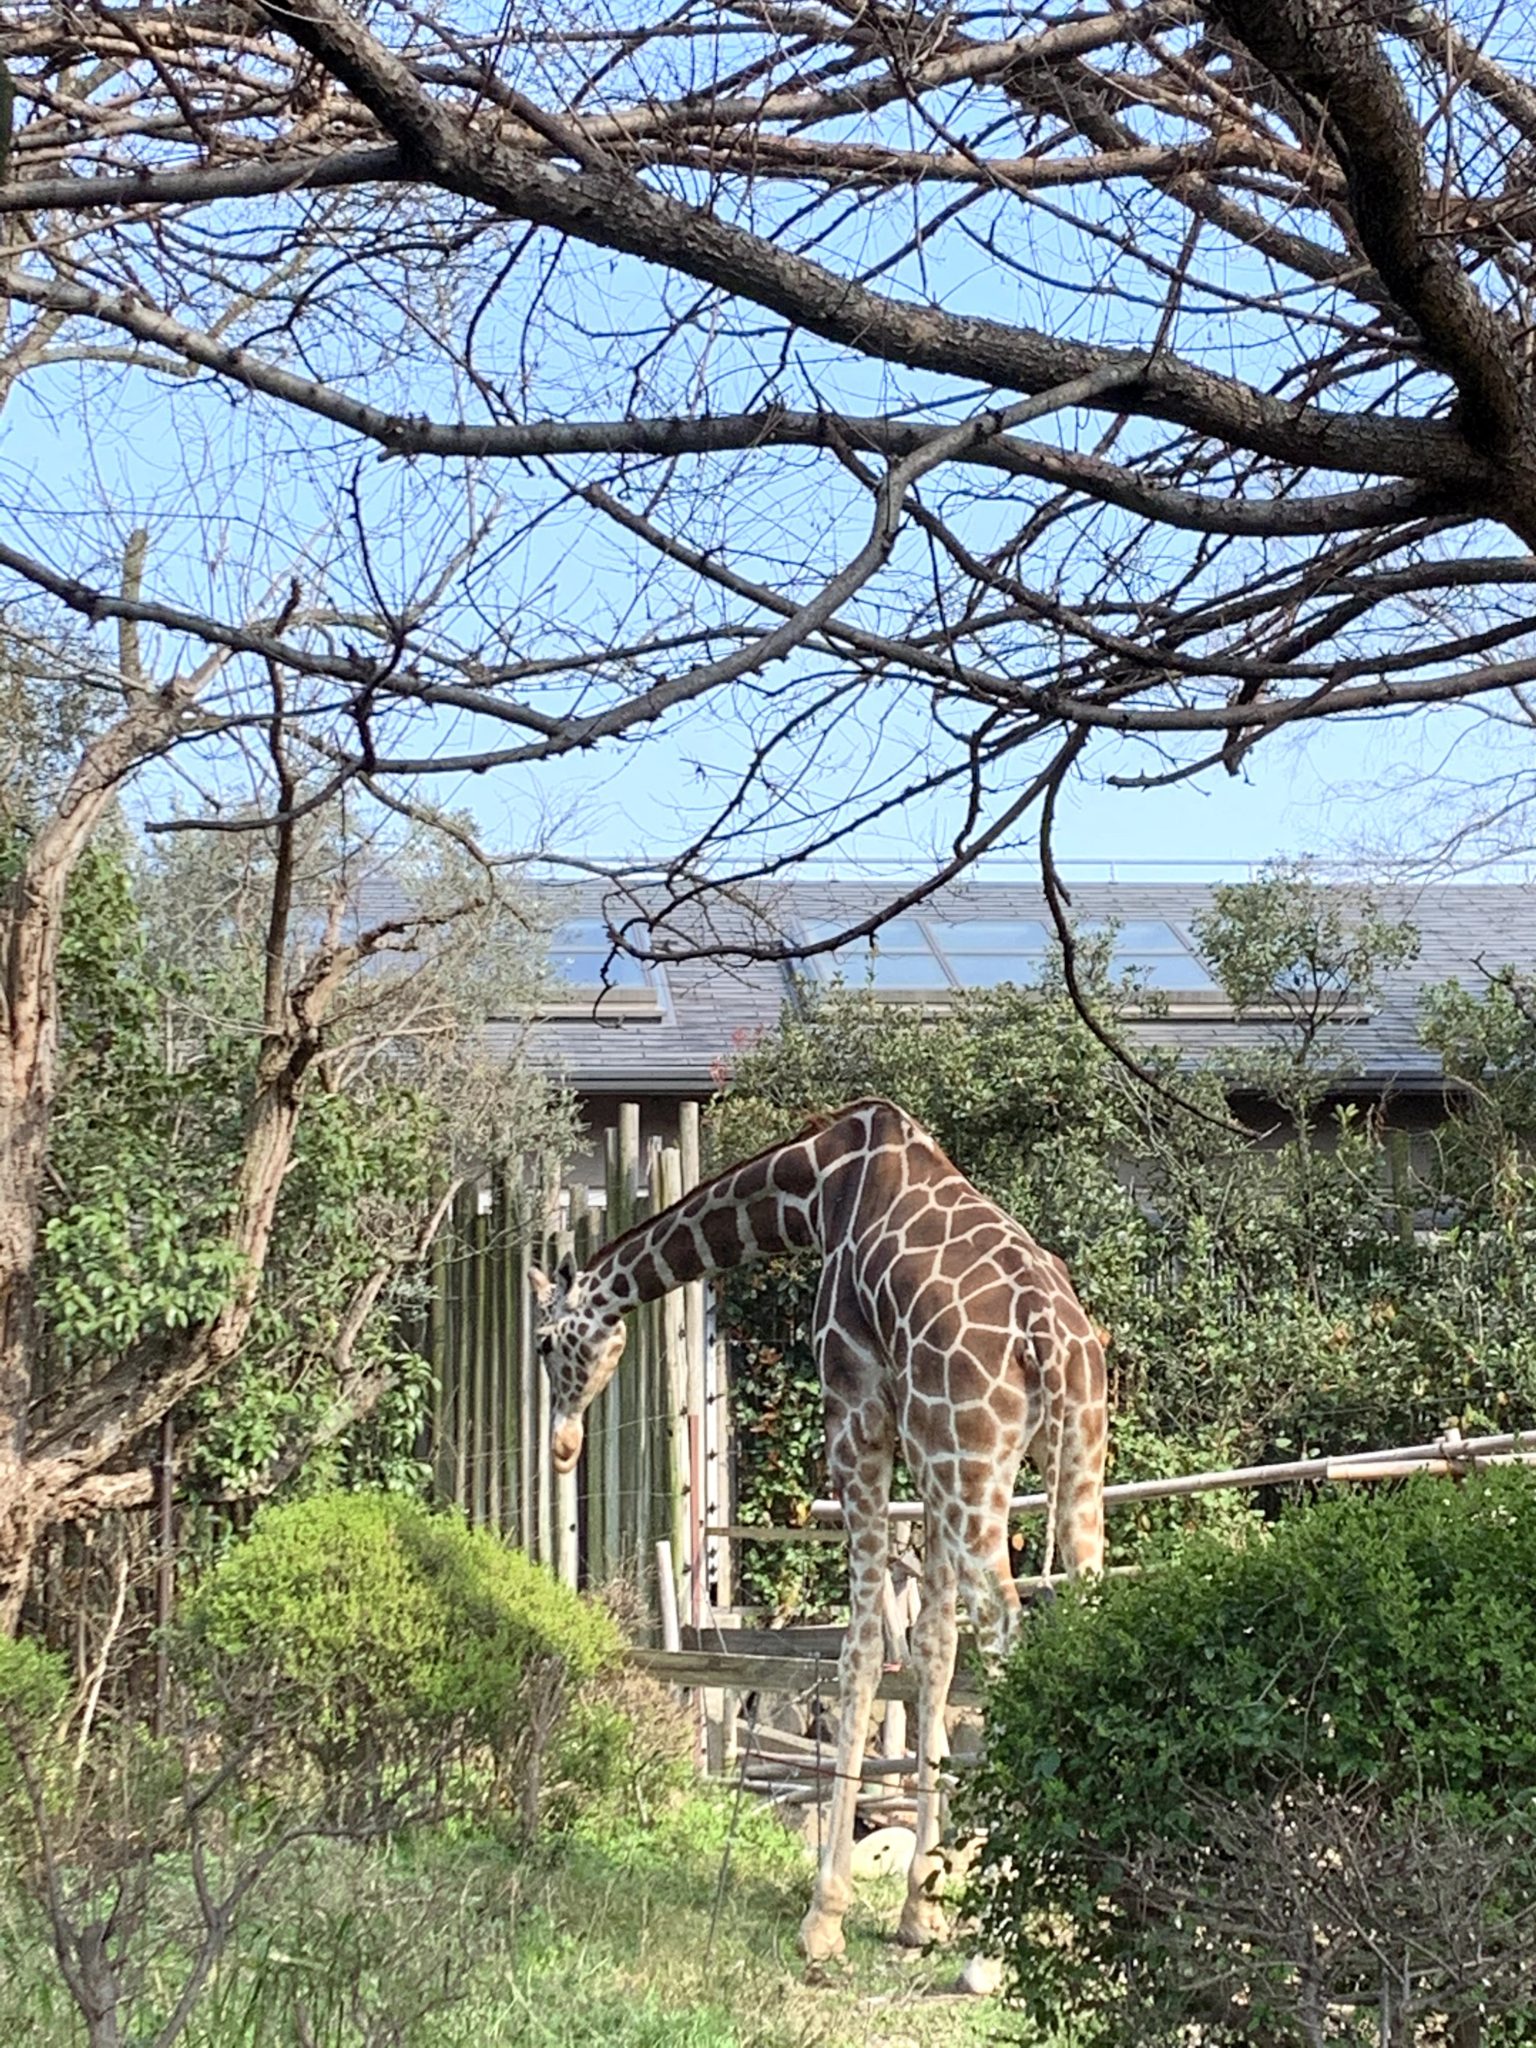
100, 1995
31, 911
22, 1131
31, 918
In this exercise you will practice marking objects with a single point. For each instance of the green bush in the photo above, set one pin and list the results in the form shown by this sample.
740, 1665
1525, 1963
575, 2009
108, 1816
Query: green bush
1341, 1285
1378, 1651
34, 1686
379, 1635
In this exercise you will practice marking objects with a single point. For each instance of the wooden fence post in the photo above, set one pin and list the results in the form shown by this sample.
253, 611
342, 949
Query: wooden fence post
439, 1338
527, 1407
478, 1331
643, 1476
543, 1469
463, 1414
673, 1376
512, 1289
719, 1493
696, 1385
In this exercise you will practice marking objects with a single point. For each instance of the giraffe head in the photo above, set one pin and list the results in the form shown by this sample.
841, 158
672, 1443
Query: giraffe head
580, 1345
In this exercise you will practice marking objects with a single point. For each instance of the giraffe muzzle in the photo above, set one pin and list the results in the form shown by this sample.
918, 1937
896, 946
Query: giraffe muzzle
565, 1444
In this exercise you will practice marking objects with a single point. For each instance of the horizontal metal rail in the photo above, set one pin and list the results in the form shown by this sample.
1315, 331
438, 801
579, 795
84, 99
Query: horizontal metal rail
1451, 1453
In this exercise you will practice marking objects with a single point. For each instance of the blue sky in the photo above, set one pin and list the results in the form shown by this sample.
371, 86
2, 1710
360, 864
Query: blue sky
1351, 794
237, 491
1341, 792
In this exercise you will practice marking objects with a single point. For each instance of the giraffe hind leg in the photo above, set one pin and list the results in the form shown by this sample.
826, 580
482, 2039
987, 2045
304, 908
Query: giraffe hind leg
861, 1461
934, 1639
1080, 1529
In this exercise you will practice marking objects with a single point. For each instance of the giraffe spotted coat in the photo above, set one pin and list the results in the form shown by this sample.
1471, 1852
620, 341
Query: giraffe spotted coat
942, 1330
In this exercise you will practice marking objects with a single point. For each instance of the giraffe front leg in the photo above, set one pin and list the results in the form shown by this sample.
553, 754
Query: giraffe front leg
864, 1486
934, 1637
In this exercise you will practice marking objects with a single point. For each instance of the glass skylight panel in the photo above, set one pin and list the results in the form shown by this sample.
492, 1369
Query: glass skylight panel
1153, 952
1137, 935
989, 970
901, 935
1176, 974
897, 956
929, 953
1017, 935
582, 957
890, 970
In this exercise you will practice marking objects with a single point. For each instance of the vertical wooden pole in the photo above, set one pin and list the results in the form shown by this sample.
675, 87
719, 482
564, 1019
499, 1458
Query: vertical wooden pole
544, 1471
495, 1409
440, 1355
666, 1596
463, 1411
619, 1400
549, 1248
567, 1504
513, 1291
630, 1526
562, 1488
893, 1739
652, 1512
718, 1562
696, 1390
592, 1473
478, 1333
674, 1365
529, 1373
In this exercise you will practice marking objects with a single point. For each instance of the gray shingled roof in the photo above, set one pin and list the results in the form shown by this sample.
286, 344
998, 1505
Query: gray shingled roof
710, 1007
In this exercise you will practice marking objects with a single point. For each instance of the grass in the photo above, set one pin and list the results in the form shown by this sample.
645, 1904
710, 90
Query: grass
603, 1937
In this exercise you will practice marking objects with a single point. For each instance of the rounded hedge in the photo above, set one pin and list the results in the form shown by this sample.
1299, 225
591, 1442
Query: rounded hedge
1378, 1646
372, 1626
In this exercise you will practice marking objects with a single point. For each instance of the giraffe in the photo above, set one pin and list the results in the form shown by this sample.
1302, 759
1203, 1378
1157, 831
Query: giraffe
941, 1329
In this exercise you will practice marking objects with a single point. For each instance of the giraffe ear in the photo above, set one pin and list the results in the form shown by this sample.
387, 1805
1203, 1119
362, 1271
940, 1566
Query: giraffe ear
567, 1272
543, 1287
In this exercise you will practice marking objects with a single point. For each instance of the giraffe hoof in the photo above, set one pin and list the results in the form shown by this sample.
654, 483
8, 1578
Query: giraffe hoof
820, 1939
922, 1924
982, 1977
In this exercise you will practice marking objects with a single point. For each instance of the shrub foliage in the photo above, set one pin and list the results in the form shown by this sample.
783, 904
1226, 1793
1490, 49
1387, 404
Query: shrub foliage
382, 1638
1175, 1763
34, 1689
1332, 1289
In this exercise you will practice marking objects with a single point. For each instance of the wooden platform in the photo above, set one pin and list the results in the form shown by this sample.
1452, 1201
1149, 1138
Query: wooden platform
811, 1639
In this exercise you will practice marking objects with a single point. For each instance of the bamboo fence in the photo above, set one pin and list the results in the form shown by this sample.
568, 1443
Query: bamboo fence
656, 1464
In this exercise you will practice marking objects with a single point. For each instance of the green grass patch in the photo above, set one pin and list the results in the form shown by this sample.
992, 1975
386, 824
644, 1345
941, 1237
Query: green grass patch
600, 1937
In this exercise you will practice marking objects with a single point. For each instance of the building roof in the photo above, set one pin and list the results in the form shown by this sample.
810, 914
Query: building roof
705, 1010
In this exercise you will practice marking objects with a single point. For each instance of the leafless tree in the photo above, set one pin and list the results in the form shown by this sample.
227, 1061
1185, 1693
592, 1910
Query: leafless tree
1290, 1916
1000, 389
880, 406
143, 1866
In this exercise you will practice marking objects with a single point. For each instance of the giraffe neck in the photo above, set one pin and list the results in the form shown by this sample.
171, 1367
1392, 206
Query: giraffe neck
768, 1204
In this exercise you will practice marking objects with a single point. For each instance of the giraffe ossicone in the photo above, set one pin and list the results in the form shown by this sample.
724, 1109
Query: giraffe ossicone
941, 1329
